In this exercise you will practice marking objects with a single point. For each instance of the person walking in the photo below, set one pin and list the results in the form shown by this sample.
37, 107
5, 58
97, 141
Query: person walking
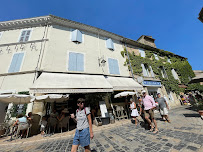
84, 127
149, 105
163, 105
134, 112
191, 99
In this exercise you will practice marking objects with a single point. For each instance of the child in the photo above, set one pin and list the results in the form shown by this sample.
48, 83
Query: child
43, 125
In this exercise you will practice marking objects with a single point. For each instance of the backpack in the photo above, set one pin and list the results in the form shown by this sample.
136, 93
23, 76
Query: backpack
84, 110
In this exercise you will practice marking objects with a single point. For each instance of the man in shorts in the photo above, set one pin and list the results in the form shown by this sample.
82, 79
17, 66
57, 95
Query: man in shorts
163, 107
149, 106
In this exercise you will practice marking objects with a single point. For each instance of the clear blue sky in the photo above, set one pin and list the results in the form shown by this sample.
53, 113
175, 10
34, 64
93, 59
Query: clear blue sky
173, 23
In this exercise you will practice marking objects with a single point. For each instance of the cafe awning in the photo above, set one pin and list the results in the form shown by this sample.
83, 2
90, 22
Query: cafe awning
123, 83
16, 83
70, 83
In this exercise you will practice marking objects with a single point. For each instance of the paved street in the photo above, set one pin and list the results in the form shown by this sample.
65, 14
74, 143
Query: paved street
185, 133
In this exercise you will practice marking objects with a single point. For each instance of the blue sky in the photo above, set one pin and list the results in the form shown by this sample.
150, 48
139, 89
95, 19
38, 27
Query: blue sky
173, 23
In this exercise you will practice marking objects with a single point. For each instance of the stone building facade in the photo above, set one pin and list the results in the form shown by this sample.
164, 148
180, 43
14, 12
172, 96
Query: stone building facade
49, 54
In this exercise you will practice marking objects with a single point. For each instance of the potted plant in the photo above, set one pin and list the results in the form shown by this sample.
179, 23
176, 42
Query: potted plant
200, 108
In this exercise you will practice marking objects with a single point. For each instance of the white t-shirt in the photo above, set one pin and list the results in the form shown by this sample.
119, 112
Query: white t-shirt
81, 117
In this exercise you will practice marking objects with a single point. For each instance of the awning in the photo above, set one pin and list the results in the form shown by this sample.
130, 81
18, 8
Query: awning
123, 83
197, 79
70, 83
17, 82
51, 98
15, 98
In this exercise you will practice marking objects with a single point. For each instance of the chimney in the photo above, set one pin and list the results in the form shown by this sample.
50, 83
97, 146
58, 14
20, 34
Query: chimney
147, 40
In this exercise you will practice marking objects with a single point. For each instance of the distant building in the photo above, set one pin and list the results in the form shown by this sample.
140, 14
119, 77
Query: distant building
201, 15
199, 74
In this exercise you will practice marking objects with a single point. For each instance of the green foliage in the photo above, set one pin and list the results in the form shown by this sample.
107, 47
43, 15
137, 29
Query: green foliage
93, 98
14, 109
181, 66
24, 92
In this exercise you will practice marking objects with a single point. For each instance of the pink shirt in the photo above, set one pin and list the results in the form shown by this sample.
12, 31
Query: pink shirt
148, 102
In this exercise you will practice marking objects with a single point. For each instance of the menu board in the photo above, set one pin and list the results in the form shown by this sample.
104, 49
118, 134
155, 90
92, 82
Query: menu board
104, 112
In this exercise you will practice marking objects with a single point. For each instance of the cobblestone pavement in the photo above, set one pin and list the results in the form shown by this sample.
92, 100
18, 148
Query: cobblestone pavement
185, 134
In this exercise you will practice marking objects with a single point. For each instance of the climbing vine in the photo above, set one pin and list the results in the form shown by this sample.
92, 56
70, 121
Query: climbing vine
181, 66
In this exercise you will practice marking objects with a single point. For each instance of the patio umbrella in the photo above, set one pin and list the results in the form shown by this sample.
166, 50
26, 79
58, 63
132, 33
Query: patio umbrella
15, 98
51, 98
124, 94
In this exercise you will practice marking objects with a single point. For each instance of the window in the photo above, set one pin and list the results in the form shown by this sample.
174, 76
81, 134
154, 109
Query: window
113, 66
16, 62
76, 62
109, 44
163, 72
156, 56
25, 35
147, 70
175, 75
142, 53
76, 36
1, 33
169, 61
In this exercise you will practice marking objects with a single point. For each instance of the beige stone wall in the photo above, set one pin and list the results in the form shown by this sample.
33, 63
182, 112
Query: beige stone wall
55, 57
133, 49
18, 82
30, 55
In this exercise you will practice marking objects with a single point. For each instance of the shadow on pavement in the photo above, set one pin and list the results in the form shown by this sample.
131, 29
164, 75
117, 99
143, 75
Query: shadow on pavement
191, 115
160, 119
193, 108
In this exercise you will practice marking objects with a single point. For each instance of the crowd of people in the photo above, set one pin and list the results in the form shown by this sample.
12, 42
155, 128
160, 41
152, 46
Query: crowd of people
146, 108
83, 117
189, 98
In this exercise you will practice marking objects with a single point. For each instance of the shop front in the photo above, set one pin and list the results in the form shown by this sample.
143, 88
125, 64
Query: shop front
152, 87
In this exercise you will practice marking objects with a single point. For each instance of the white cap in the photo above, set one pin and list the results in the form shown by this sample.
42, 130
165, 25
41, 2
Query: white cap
143, 91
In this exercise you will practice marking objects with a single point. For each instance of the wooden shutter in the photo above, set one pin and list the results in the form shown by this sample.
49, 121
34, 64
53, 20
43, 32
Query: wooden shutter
152, 72
111, 66
116, 67
142, 53
156, 56
76, 36
19, 62
109, 44
13, 63
72, 64
169, 61
175, 75
16, 62
144, 71
80, 62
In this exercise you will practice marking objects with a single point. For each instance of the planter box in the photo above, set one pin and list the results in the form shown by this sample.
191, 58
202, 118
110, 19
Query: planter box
201, 112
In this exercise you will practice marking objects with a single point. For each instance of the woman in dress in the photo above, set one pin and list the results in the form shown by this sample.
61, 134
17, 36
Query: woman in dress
134, 113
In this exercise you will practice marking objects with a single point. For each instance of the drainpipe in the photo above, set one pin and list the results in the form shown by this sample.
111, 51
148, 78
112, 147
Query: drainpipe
129, 60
